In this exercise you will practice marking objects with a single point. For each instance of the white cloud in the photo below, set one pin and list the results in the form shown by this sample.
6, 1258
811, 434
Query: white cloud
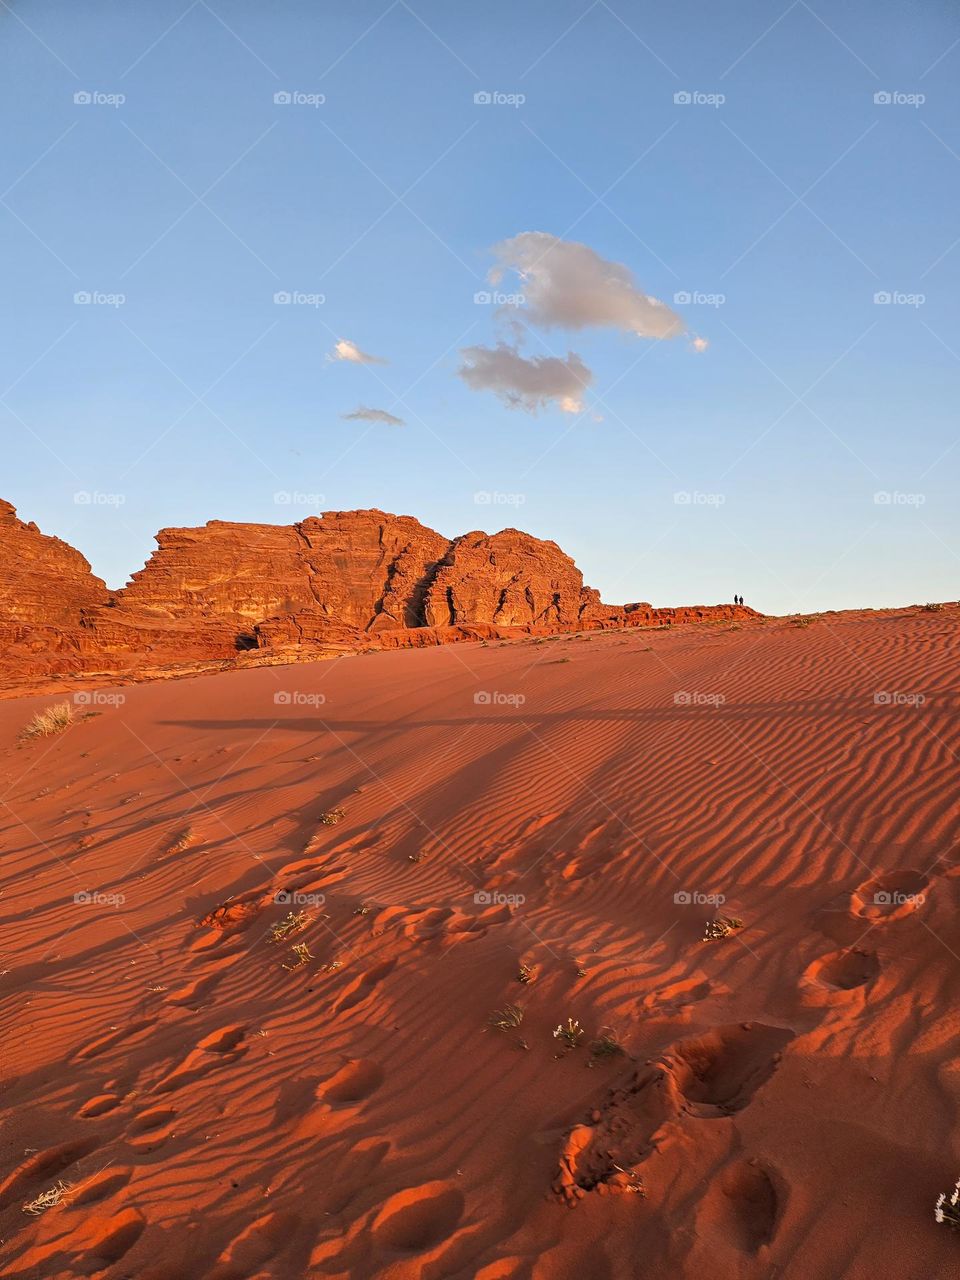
347, 350
567, 285
363, 414
526, 384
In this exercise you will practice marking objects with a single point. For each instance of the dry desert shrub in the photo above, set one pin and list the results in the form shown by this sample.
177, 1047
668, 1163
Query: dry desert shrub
292, 922
48, 722
505, 1019
47, 1199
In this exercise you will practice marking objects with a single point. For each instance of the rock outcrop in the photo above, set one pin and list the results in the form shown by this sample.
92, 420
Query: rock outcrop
347, 581
508, 579
42, 579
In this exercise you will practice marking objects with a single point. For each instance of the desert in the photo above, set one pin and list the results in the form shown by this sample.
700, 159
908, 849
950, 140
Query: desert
288, 951
479, 637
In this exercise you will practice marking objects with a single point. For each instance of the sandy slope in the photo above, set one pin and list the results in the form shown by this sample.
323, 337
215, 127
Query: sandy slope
788, 1096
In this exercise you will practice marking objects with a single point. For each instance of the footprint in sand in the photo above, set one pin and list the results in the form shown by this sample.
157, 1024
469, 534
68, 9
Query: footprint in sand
150, 1129
418, 1217
259, 1243
890, 897
216, 1049
838, 976
354, 1082
116, 1035
704, 1078
102, 1242
719, 1072
364, 986
99, 1106
741, 1206
44, 1167
101, 1185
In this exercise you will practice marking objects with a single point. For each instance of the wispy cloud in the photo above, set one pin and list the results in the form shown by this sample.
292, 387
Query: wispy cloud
363, 414
567, 285
349, 351
526, 384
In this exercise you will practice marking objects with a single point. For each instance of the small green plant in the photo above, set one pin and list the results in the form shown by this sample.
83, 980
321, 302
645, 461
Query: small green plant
607, 1044
721, 927
291, 923
48, 722
505, 1019
570, 1034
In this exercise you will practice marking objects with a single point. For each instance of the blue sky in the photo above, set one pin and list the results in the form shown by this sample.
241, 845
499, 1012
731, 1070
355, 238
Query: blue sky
781, 200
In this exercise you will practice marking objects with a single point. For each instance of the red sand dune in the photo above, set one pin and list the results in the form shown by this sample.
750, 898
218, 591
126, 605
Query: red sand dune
785, 1101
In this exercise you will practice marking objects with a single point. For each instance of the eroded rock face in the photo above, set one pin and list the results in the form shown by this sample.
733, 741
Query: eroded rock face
42, 579
348, 581
362, 569
507, 579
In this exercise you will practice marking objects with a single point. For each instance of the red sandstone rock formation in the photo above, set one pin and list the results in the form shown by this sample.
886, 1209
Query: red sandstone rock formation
42, 579
363, 569
346, 581
507, 579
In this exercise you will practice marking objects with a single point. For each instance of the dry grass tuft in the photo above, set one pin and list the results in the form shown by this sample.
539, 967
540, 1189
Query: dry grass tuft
722, 927
505, 1019
301, 956
48, 1199
48, 722
183, 841
607, 1044
292, 922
